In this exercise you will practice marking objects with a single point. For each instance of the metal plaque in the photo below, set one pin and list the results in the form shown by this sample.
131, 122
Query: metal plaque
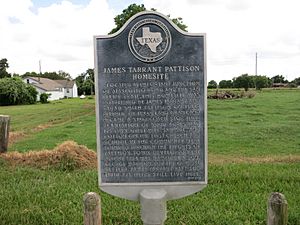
151, 108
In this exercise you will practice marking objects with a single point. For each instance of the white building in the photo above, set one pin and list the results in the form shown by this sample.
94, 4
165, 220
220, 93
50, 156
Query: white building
57, 89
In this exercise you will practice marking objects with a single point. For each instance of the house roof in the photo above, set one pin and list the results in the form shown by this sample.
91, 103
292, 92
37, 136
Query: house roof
51, 85
66, 83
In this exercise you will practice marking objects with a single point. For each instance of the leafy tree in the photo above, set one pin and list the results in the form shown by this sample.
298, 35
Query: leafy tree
133, 9
31, 99
261, 82
88, 86
13, 91
130, 11
64, 75
225, 84
244, 81
90, 74
79, 82
30, 74
61, 75
3, 67
212, 84
296, 81
85, 82
279, 79
179, 22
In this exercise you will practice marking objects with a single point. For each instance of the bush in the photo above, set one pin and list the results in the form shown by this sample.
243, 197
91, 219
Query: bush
44, 98
13, 91
231, 95
32, 94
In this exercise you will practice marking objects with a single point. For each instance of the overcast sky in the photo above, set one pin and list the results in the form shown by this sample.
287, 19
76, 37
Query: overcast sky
60, 33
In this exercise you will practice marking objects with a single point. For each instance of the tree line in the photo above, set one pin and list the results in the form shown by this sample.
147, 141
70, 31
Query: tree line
14, 91
254, 81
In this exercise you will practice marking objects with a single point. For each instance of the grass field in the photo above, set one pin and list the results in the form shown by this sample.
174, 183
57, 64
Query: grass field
254, 149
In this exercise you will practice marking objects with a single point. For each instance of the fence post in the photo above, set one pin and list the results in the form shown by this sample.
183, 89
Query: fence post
4, 132
277, 209
92, 209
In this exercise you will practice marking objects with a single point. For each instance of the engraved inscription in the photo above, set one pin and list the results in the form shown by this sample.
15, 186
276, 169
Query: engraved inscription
151, 131
151, 106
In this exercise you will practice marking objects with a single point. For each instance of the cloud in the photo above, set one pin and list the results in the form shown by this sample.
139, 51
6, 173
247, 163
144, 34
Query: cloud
236, 30
60, 35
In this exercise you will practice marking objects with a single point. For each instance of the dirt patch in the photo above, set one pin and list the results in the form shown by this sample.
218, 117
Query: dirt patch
89, 106
223, 159
19, 135
15, 136
67, 156
41, 127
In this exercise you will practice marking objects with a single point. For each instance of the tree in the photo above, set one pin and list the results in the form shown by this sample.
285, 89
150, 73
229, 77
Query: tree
296, 81
3, 67
13, 91
244, 81
88, 87
85, 82
225, 84
261, 82
133, 9
279, 79
212, 84
64, 75
61, 75
179, 22
130, 11
30, 74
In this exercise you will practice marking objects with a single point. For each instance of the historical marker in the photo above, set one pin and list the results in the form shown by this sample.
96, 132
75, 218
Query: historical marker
151, 108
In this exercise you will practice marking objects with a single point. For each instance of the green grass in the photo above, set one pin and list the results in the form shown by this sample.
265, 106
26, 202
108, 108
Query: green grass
267, 125
27, 117
236, 194
81, 129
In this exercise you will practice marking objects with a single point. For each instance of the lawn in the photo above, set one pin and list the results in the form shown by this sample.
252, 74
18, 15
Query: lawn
266, 126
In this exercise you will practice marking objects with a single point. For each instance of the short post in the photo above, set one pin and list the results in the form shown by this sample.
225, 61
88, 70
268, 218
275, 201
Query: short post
277, 209
92, 209
153, 206
4, 132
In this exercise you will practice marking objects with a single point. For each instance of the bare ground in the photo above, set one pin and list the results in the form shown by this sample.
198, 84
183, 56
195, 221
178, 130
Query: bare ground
15, 137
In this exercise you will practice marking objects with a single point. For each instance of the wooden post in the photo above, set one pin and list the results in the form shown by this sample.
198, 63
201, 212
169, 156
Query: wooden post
277, 209
4, 132
92, 209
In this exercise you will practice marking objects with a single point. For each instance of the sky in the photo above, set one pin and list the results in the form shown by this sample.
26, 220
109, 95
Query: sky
59, 33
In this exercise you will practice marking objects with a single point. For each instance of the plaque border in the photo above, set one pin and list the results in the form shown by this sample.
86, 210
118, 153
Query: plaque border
131, 191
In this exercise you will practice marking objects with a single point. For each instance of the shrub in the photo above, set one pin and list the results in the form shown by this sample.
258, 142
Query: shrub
44, 98
231, 95
32, 94
13, 91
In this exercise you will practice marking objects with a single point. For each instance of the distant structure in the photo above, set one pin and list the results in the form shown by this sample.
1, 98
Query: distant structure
57, 88
279, 85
